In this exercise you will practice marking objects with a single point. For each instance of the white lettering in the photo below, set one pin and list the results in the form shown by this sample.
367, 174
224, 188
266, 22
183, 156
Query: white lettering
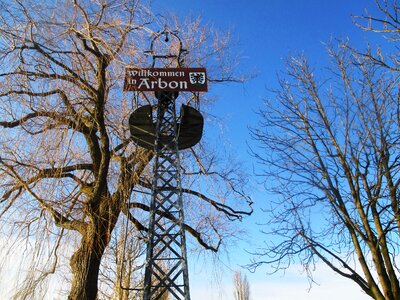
173, 84
183, 85
144, 81
159, 84
132, 72
150, 73
162, 84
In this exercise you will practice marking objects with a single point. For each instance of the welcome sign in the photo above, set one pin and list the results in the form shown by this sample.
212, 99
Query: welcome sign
166, 79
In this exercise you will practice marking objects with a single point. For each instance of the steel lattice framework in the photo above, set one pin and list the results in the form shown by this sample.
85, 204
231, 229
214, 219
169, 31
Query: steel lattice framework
166, 271
166, 260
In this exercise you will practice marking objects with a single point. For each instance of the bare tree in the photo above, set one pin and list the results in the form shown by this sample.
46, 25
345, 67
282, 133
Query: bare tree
121, 276
241, 286
68, 170
330, 148
387, 24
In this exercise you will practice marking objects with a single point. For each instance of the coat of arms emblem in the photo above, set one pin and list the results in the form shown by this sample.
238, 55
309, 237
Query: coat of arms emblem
197, 78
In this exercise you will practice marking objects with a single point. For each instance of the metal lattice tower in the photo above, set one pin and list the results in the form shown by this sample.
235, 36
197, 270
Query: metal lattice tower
166, 270
166, 262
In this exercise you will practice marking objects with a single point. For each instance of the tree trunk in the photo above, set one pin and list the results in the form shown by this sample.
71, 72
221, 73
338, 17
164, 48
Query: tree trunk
85, 265
85, 262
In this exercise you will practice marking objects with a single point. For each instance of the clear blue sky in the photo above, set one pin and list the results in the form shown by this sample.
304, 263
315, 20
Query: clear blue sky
268, 32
